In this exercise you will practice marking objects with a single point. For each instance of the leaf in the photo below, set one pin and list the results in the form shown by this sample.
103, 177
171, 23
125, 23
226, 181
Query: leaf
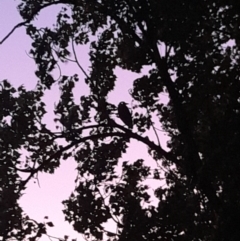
110, 234
50, 224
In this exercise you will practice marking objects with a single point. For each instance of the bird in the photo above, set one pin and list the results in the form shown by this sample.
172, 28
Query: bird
124, 114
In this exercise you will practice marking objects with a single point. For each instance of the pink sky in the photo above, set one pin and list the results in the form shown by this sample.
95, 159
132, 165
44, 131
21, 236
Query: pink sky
19, 69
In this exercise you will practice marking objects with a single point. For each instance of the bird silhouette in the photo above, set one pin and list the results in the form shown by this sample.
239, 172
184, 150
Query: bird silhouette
125, 115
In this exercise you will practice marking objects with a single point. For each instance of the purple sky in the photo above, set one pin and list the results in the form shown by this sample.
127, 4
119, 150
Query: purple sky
19, 69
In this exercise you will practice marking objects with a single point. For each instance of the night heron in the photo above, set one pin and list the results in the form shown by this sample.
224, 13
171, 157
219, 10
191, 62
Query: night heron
125, 115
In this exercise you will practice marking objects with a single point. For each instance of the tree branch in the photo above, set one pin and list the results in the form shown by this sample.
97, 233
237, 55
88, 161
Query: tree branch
110, 212
35, 12
13, 29
181, 116
127, 133
77, 62
193, 158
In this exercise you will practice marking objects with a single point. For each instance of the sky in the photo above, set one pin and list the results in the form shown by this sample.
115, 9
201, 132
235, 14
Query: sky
18, 68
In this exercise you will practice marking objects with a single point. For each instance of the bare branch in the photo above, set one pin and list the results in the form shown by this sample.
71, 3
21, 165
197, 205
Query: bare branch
76, 60
14, 28
35, 12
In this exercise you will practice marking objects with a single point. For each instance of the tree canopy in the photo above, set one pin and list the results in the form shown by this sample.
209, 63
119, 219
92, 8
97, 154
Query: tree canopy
191, 49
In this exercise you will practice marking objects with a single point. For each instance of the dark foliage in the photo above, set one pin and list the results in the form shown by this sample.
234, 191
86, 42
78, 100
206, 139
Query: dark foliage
192, 49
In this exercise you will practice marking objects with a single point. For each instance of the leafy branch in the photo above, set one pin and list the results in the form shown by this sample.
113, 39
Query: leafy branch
127, 133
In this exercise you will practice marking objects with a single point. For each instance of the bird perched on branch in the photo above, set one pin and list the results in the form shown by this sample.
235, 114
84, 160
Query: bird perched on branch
125, 115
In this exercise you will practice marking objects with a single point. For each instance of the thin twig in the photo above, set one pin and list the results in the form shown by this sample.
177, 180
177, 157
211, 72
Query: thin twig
35, 12
103, 200
13, 29
78, 64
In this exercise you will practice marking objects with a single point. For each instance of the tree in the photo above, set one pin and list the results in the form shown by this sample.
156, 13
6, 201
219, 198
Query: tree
198, 71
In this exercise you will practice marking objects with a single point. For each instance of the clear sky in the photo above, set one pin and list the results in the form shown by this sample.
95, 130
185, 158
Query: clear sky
18, 68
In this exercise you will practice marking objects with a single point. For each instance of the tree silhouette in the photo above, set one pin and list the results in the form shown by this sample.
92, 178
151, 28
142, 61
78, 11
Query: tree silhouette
186, 45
